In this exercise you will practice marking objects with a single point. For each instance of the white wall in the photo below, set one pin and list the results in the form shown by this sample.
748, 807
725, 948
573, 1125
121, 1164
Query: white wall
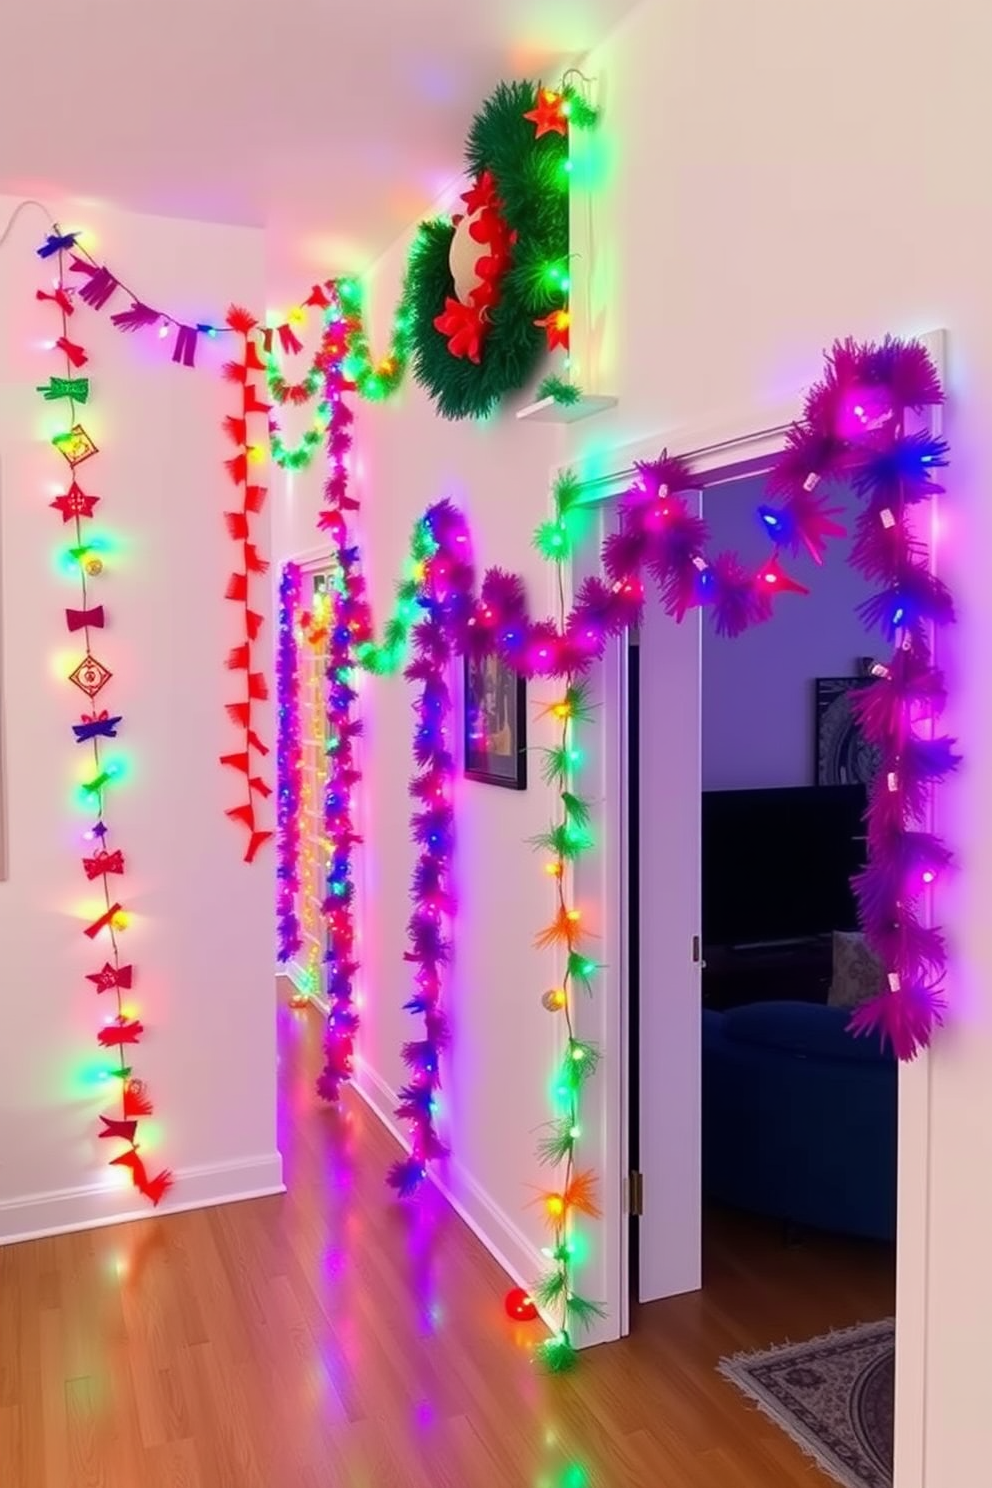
778, 175
773, 175
201, 937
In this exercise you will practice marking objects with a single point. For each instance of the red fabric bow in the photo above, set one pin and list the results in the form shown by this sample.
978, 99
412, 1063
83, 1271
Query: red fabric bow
81, 619
462, 324
123, 1031
104, 862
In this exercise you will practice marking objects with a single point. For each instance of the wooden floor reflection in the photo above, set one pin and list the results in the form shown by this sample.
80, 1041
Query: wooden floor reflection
333, 1339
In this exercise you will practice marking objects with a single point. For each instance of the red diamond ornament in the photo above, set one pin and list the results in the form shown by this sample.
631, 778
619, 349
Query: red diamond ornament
90, 676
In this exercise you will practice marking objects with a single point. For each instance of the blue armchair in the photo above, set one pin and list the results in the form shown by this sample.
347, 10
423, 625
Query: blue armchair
799, 1118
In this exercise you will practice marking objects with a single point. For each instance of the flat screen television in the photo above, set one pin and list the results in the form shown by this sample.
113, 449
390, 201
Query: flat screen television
777, 864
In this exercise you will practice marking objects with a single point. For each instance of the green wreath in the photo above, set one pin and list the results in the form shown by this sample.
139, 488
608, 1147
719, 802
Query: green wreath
517, 156
531, 183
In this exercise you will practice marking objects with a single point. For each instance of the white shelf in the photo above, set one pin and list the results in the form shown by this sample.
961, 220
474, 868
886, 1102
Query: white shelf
547, 411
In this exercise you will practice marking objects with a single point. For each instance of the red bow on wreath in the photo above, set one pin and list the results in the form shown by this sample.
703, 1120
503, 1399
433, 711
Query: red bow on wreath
462, 324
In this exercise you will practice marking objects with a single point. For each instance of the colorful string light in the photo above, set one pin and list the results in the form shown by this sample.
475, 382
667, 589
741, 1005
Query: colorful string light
289, 764
122, 1030
332, 346
567, 839
448, 577
348, 629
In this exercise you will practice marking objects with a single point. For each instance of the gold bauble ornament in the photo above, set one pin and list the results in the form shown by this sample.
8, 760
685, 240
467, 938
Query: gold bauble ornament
94, 566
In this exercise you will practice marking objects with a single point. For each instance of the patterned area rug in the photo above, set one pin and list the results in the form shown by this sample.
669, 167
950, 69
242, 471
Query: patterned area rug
834, 1396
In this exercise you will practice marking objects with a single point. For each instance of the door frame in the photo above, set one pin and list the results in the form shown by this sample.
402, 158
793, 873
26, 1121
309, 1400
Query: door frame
741, 444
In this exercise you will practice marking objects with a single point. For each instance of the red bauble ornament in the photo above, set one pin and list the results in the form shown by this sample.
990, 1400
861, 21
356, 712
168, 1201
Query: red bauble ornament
520, 1305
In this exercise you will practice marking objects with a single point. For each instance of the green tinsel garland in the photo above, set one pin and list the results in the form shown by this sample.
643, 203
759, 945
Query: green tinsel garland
296, 456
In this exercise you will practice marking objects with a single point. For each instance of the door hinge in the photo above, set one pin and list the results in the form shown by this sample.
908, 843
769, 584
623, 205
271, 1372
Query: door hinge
697, 952
636, 1194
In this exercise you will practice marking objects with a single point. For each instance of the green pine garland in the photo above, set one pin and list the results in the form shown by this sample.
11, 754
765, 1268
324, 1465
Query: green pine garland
568, 837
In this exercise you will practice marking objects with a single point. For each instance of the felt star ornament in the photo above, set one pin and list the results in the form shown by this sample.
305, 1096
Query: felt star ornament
75, 503
549, 116
556, 326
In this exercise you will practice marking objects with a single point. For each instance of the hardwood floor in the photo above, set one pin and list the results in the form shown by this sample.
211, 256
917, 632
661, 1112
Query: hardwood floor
333, 1339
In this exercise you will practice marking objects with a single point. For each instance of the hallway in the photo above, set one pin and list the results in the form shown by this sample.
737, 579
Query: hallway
333, 1339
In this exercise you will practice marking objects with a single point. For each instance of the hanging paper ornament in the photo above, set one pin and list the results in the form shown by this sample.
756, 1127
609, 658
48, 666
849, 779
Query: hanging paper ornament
90, 676
75, 444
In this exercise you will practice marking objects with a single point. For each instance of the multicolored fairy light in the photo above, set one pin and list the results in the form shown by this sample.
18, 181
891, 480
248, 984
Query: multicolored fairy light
347, 630
448, 578
331, 348
289, 765
102, 863
568, 838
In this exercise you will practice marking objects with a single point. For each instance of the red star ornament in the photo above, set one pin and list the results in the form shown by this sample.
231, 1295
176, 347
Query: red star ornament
548, 117
75, 503
556, 325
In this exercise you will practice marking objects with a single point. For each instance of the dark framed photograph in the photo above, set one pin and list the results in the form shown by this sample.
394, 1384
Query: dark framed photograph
495, 723
843, 756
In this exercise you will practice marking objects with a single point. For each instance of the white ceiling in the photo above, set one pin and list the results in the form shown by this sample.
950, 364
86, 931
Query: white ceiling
334, 122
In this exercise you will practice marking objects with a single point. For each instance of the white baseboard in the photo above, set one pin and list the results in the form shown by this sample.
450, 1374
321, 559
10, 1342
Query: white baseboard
507, 1244
88, 1208
294, 972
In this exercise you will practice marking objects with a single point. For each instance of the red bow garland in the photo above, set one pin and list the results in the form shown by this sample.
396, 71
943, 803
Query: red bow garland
76, 506
239, 589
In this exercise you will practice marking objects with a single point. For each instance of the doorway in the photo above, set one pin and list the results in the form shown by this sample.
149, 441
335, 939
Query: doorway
666, 1137
794, 1136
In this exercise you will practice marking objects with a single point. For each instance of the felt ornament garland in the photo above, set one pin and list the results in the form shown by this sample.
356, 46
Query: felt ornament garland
103, 865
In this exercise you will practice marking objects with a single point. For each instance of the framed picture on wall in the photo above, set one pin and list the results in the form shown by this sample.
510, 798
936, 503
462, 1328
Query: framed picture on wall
843, 757
495, 723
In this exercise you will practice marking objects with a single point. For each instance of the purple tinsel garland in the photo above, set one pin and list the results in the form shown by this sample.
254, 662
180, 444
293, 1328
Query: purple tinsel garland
289, 762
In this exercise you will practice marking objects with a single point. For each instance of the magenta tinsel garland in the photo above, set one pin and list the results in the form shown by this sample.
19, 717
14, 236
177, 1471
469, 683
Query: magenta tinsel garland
854, 429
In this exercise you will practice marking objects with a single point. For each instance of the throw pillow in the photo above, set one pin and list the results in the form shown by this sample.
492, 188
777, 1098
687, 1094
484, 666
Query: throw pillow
857, 972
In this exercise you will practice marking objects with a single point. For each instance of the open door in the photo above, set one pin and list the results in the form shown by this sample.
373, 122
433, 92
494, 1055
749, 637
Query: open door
666, 688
